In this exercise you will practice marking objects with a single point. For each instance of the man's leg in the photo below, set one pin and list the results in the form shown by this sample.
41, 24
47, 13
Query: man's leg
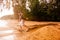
24, 27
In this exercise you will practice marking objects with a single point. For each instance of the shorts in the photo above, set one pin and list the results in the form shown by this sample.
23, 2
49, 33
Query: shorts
21, 23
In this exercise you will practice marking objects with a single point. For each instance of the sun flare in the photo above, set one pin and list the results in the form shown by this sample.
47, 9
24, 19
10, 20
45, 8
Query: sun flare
6, 11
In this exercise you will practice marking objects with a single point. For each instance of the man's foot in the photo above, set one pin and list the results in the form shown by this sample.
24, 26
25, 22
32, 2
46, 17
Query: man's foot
25, 29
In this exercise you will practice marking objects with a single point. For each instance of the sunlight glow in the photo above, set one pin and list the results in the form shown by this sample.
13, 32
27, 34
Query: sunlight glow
9, 37
41, 1
27, 5
3, 23
6, 31
48, 1
5, 11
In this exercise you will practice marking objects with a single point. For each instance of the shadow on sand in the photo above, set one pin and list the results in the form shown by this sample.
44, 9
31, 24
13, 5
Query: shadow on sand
33, 27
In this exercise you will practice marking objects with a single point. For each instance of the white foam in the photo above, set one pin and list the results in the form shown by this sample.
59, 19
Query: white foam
9, 37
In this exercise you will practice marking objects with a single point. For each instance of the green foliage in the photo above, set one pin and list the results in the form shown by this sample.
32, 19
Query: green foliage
20, 7
34, 6
40, 11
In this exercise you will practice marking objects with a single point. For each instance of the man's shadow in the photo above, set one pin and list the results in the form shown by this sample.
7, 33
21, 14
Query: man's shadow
33, 27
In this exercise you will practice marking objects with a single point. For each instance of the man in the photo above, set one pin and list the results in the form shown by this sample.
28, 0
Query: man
21, 24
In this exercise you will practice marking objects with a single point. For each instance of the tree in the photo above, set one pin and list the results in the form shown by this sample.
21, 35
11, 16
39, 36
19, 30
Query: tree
19, 6
39, 9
